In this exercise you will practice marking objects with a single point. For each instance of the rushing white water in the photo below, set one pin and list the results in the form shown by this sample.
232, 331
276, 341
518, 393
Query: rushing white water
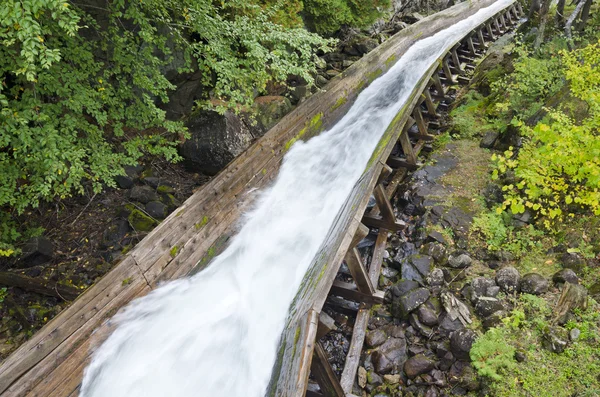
215, 334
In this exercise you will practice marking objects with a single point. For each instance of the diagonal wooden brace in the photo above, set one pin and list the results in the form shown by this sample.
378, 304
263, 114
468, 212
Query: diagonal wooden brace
324, 374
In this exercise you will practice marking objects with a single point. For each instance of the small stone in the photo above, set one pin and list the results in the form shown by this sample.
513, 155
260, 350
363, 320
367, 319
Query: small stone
494, 265
389, 355
140, 221
492, 291
508, 279
124, 182
157, 210
436, 236
362, 377
427, 316
418, 365
565, 276
419, 326
573, 261
461, 342
486, 306
489, 139
391, 379
321, 81
555, 339
416, 267
37, 251
375, 338
574, 334
332, 73
437, 251
533, 283
143, 194
374, 379
412, 300
480, 286
494, 319
436, 277
346, 63
402, 287
520, 356
460, 261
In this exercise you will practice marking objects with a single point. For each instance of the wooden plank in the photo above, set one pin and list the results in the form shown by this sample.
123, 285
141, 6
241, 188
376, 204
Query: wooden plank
360, 234
350, 291
398, 162
378, 222
450, 78
456, 61
421, 124
355, 349
407, 147
326, 325
324, 375
490, 32
437, 83
385, 207
471, 46
481, 40
431, 106
386, 171
377, 259
359, 272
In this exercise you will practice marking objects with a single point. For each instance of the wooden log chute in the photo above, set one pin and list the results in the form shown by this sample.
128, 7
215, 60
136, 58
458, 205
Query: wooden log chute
51, 363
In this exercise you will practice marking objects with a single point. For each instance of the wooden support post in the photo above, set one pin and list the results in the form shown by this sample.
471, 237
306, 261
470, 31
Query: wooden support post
481, 43
447, 73
359, 272
497, 26
407, 147
385, 207
503, 22
378, 223
386, 171
471, 46
490, 32
509, 17
421, 124
326, 325
431, 106
356, 344
437, 83
520, 8
324, 375
456, 61
360, 234
350, 291
397, 162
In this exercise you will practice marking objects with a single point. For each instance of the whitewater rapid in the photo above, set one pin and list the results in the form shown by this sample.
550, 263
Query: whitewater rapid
215, 334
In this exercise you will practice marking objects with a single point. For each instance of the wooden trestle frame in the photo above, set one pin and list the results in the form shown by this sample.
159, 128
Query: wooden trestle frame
51, 363
461, 57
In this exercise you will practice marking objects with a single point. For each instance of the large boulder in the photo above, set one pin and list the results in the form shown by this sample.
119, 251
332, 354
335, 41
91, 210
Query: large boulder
215, 141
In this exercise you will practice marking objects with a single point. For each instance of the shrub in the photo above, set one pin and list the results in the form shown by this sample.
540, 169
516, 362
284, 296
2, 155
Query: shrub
327, 16
491, 354
80, 92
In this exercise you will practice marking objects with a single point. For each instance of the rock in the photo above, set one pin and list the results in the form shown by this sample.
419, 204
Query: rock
402, 287
436, 277
533, 283
376, 337
416, 267
462, 374
494, 265
157, 210
508, 279
333, 57
492, 194
436, 237
413, 17
522, 220
36, 251
165, 189
374, 379
555, 339
140, 221
152, 181
565, 276
461, 342
486, 306
269, 110
520, 356
573, 261
437, 251
447, 325
411, 301
321, 81
594, 289
124, 182
331, 73
418, 365
494, 319
299, 93
320, 63
427, 316
215, 140
492, 291
389, 356
114, 233
360, 45
143, 194
489, 139
480, 286
391, 379
362, 377
423, 329
459, 261
346, 63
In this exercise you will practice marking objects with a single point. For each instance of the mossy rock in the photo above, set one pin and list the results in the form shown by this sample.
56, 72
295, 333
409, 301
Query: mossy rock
164, 189
169, 200
140, 221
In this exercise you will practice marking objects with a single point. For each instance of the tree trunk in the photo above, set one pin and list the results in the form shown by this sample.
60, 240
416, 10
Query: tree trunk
534, 9
38, 285
585, 14
569, 23
543, 18
572, 297
560, 14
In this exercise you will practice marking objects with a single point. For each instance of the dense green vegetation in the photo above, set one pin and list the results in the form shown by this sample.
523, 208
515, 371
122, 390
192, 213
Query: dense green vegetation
82, 86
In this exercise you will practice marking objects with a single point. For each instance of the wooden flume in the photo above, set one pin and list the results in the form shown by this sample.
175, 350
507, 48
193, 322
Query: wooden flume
51, 363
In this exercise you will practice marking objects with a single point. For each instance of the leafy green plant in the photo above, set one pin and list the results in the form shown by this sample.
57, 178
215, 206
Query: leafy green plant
555, 177
81, 88
3, 294
491, 354
472, 117
327, 16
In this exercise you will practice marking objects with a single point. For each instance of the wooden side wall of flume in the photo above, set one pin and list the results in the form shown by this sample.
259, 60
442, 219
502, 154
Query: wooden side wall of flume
51, 363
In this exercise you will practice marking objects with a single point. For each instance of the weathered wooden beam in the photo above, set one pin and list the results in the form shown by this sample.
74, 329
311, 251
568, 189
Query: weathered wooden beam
437, 83
471, 46
496, 25
481, 40
450, 78
38, 285
326, 325
385, 207
378, 222
350, 291
431, 106
456, 61
360, 234
356, 344
490, 32
359, 272
406, 145
386, 171
503, 22
421, 124
398, 162
324, 375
